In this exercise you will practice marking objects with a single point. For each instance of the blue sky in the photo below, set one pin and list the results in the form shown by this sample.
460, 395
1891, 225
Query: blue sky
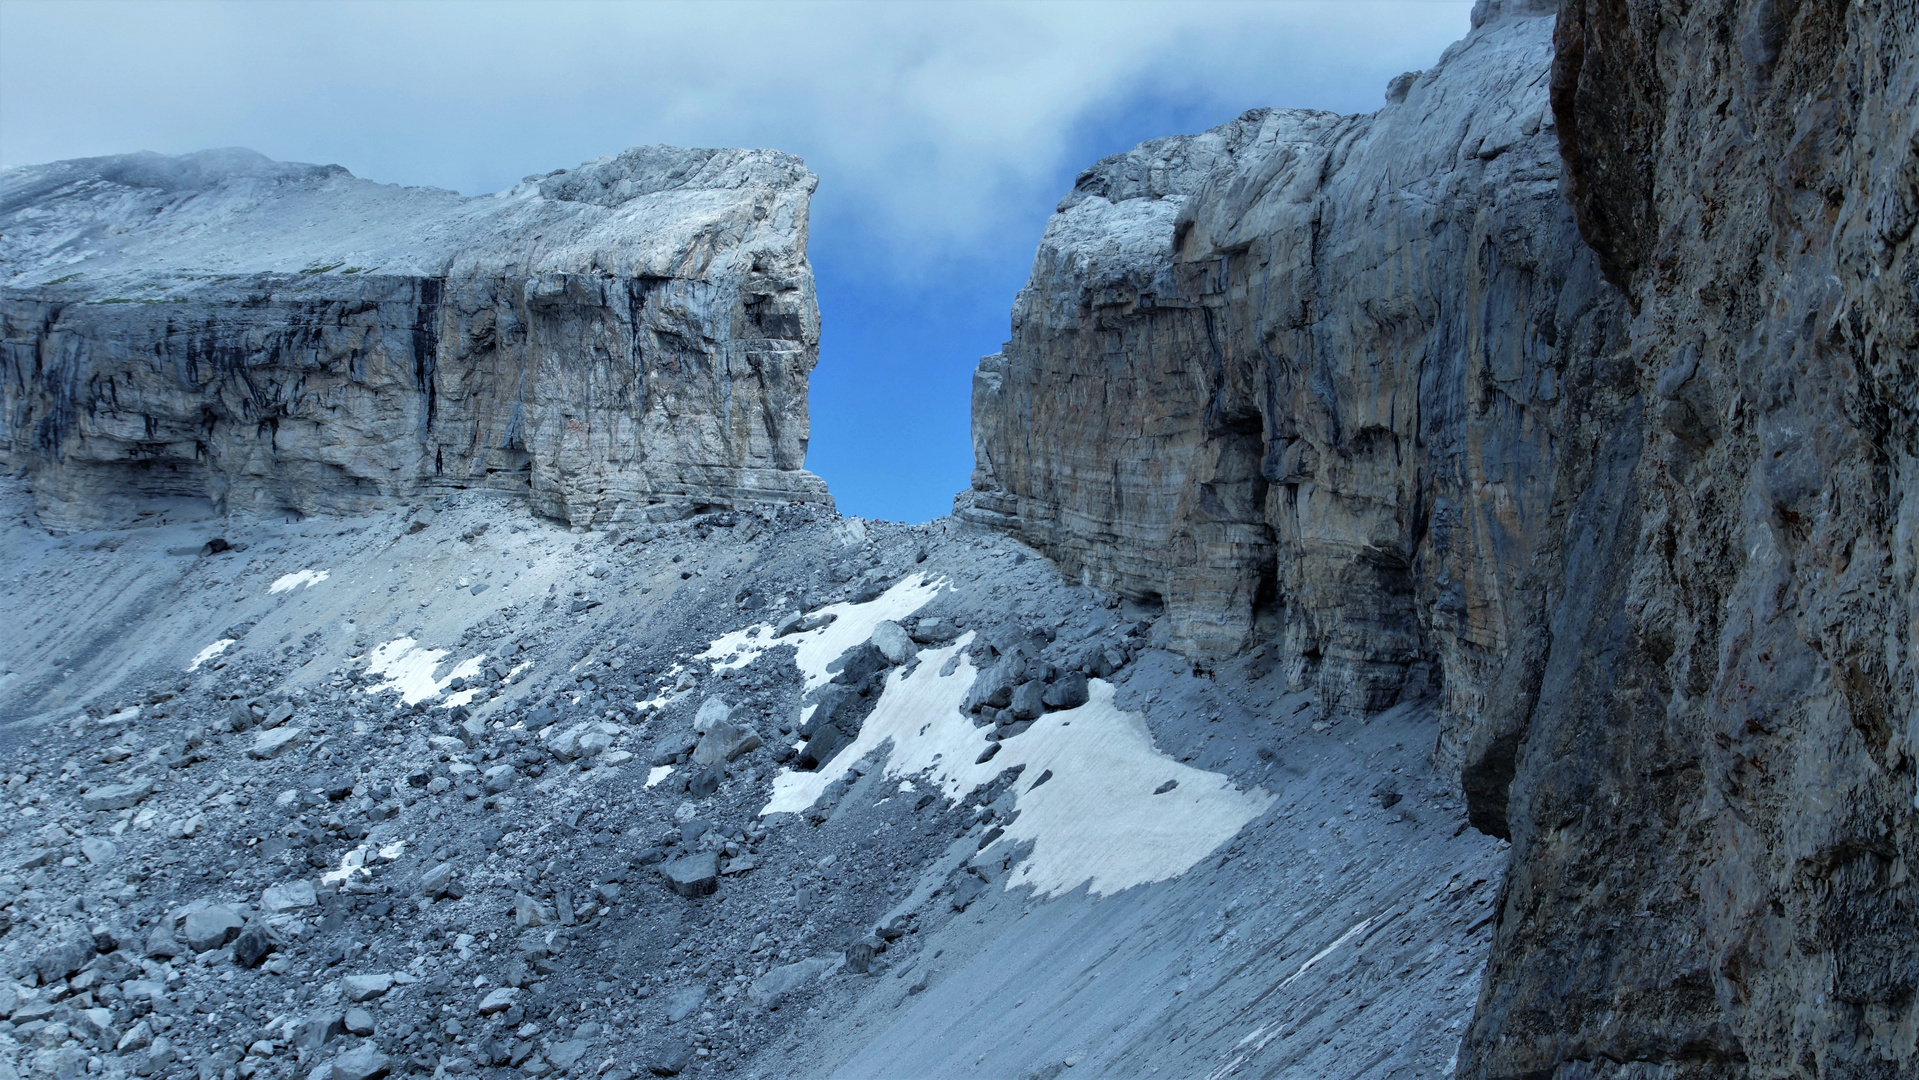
943, 134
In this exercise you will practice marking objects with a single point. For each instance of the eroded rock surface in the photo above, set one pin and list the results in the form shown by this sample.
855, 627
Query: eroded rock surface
632, 337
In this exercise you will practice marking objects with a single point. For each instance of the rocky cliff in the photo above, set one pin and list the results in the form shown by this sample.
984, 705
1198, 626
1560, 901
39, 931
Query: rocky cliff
1308, 379
1576, 383
632, 337
1713, 809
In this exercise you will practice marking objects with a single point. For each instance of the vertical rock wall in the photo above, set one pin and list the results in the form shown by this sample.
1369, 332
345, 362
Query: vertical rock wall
629, 338
1713, 814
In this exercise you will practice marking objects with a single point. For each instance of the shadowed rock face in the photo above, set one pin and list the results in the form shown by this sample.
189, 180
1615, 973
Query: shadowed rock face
1309, 378
1713, 809
629, 338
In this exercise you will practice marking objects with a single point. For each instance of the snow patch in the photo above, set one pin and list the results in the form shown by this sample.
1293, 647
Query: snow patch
408, 668
657, 774
852, 625
1095, 822
210, 652
289, 582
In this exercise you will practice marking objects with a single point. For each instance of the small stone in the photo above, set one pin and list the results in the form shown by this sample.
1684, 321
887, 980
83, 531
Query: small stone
436, 881
859, 957
1029, 700
671, 1062
289, 896
270, 744
316, 1031
253, 945
365, 987
138, 1037
777, 983
65, 956
363, 1062
277, 715
684, 1003
706, 782
567, 1054
695, 875
986, 755
115, 796
497, 1000
212, 927
723, 742
1166, 787
713, 710
358, 1021
891, 640
161, 944
499, 778
1067, 692
99, 850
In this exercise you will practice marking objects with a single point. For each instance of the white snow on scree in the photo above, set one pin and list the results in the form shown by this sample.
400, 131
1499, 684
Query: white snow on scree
814, 649
408, 668
289, 582
210, 652
1094, 822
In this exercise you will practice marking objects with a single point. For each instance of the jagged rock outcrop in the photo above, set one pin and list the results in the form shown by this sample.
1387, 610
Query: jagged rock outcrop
1316, 371
630, 337
1713, 812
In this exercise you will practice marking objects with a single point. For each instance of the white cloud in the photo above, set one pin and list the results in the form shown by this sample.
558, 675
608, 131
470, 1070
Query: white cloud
934, 127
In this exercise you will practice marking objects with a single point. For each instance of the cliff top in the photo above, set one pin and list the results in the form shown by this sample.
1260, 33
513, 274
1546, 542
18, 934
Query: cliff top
656, 211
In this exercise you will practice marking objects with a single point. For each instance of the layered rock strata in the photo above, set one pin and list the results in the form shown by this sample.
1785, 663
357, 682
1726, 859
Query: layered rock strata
632, 337
1315, 372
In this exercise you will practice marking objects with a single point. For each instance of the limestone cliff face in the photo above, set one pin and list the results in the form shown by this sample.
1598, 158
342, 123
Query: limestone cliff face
1713, 811
1309, 378
629, 338
1600, 412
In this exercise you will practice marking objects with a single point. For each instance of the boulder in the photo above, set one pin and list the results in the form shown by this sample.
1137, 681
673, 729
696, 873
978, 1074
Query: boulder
115, 796
695, 875
358, 988
723, 742
287, 896
893, 643
271, 744
211, 927
1029, 700
714, 710
1068, 691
